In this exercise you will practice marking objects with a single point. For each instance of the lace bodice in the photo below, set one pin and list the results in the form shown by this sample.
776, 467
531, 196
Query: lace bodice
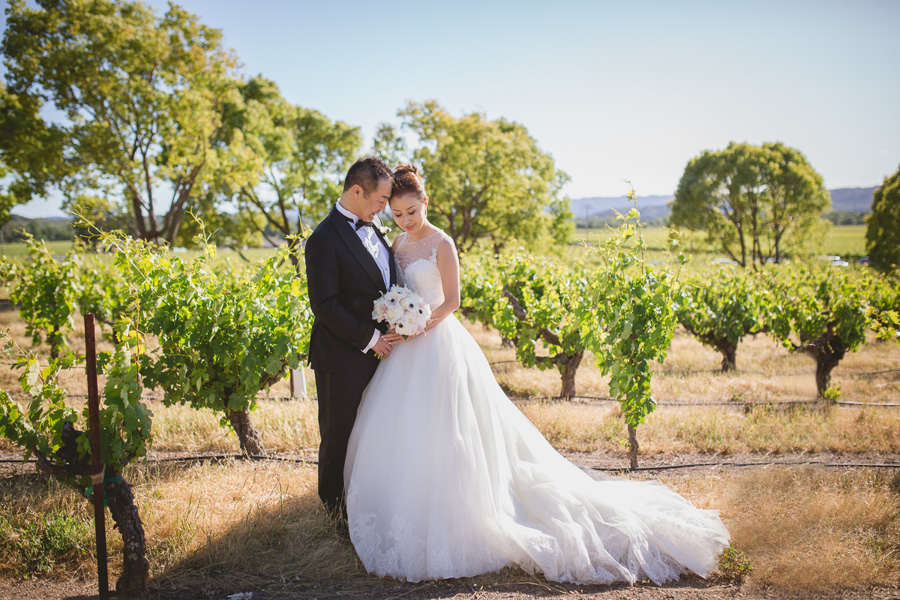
417, 266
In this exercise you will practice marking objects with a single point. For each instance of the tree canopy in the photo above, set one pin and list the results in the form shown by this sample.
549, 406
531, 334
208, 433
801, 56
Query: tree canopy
755, 202
295, 162
485, 179
883, 231
135, 101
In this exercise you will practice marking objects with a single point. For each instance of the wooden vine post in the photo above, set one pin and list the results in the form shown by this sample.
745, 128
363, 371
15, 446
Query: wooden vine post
97, 468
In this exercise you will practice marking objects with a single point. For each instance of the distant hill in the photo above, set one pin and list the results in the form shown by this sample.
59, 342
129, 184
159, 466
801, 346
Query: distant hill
852, 199
603, 206
656, 207
44, 228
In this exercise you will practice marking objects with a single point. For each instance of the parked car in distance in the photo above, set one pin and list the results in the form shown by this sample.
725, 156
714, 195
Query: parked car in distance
835, 260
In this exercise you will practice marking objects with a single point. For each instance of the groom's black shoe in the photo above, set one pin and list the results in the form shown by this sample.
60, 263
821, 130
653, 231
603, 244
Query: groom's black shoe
343, 531
338, 518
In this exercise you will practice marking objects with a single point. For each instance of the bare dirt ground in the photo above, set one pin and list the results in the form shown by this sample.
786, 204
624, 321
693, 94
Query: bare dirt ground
458, 589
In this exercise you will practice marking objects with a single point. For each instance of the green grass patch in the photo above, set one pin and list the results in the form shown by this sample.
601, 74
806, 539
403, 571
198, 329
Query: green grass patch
21, 249
36, 543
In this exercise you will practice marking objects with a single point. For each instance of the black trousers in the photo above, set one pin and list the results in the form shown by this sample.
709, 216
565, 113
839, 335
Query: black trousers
339, 395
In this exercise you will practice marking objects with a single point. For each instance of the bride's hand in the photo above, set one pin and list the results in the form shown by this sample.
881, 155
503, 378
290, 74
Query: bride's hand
393, 337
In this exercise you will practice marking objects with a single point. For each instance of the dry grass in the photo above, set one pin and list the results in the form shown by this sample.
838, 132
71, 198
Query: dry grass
717, 430
286, 426
239, 521
237, 524
810, 531
806, 531
691, 373
290, 426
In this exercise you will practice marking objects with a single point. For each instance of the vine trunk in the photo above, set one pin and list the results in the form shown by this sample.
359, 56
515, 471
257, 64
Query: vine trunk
135, 568
633, 447
248, 435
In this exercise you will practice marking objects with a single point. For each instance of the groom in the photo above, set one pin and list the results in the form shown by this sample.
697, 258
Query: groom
348, 265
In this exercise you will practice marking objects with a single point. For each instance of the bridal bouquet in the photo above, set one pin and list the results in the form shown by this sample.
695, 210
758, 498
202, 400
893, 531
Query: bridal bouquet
403, 309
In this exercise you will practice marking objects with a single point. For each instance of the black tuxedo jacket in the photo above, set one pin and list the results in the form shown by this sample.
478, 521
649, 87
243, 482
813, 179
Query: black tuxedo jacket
343, 281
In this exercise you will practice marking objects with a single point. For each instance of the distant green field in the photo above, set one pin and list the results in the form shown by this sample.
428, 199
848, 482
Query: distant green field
20, 249
847, 241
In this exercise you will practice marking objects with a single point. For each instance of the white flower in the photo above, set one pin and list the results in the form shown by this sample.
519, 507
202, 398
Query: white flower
411, 303
394, 296
405, 324
393, 313
425, 311
403, 309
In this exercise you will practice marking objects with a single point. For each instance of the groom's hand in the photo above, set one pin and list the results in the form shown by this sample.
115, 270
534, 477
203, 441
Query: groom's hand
383, 346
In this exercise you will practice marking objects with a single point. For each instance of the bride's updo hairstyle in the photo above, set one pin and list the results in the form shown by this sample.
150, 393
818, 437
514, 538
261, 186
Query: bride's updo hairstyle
408, 181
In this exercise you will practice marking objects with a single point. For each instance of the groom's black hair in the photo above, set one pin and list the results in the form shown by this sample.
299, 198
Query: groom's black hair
366, 173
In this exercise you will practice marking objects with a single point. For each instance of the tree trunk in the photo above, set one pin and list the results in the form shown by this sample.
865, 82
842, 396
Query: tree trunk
135, 567
248, 435
729, 360
568, 365
827, 358
633, 447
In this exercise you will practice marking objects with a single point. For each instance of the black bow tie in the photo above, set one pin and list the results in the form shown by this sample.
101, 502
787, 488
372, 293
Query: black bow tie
360, 222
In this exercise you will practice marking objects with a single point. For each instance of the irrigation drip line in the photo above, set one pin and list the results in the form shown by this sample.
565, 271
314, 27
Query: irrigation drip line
197, 458
606, 400
743, 372
853, 403
595, 400
749, 464
220, 457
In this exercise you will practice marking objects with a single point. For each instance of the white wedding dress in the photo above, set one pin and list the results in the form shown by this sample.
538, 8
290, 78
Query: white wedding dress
445, 477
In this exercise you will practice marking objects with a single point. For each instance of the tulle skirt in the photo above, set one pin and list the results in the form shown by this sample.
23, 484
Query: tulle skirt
445, 478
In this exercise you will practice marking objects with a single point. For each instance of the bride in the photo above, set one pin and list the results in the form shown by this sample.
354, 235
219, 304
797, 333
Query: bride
445, 477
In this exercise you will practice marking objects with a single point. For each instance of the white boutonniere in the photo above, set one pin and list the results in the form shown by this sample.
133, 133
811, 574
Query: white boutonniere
384, 229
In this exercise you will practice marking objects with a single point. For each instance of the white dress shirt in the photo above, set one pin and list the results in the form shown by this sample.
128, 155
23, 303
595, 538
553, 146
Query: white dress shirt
374, 247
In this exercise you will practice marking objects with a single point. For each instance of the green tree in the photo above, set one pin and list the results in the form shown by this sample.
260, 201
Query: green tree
8, 198
485, 179
883, 231
298, 161
26, 145
139, 100
755, 202
390, 146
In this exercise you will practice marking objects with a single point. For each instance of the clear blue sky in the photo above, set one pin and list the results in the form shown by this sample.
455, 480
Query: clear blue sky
612, 90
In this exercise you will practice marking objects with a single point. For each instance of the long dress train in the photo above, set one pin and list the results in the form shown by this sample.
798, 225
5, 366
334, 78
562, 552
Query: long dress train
445, 477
